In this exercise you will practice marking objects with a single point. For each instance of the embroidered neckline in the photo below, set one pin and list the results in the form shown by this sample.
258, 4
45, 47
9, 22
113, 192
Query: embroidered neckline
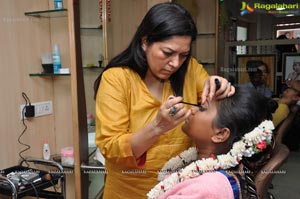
251, 143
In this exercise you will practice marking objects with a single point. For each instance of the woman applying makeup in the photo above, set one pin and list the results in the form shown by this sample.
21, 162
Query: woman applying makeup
139, 113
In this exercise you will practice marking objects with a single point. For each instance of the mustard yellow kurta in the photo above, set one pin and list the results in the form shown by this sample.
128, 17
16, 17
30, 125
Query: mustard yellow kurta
280, 114
124, 105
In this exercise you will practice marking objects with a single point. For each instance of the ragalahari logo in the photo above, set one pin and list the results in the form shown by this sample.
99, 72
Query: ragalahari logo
246, 8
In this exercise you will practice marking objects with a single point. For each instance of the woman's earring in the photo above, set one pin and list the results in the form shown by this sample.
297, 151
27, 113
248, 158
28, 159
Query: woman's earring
144, 43
144, 46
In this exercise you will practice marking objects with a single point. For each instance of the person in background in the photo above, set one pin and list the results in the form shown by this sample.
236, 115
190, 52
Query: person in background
295, 74
139, 95
288, 131
280, 49
289, 97
291, 138
258, 74
222, 133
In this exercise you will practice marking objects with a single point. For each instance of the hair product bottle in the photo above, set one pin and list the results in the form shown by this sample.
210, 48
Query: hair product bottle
58, 4
56, 59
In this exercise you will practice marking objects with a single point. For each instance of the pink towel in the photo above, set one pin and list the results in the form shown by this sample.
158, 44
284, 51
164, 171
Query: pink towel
214, 185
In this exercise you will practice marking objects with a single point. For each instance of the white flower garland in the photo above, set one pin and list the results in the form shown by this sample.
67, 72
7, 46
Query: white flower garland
247, 146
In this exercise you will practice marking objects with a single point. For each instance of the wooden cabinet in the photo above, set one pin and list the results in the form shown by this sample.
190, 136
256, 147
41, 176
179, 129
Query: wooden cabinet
91, 33
125, 18
206, 43
205, 14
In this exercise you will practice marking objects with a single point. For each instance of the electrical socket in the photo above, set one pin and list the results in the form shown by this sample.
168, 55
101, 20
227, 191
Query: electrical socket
40, 108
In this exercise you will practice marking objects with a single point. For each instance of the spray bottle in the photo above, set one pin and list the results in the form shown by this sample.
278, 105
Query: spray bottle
46, 151
56, 59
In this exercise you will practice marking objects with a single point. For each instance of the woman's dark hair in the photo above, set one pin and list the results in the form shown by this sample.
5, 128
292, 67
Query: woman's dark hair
244, 111
161, 22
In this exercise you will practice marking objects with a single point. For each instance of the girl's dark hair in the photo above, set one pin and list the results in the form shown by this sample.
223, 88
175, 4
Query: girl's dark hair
241, 113
244, 111
161, 22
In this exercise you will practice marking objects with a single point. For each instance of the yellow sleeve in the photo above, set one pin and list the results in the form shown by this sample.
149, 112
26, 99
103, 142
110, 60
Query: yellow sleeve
112, 118
280, 114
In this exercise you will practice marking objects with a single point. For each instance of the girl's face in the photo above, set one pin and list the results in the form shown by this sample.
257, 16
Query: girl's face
290, 94
165, 57
199, 126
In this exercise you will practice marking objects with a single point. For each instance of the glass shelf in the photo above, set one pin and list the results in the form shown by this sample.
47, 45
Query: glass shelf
93, 164
47, 74
92, 67
91, 27
48, 13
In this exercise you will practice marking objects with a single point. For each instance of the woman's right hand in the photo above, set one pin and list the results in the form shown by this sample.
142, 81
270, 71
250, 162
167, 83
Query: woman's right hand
166, 119
170, 114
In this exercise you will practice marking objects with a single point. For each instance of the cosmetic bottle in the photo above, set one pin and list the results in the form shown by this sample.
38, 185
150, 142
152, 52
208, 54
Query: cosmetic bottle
46, 151
58, 4
67, 156
56, 59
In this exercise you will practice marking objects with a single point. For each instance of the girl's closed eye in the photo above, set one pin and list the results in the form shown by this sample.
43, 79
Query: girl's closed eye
202, 108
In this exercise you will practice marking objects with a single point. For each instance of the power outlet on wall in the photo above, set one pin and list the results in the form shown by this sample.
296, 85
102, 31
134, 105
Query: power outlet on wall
40, 108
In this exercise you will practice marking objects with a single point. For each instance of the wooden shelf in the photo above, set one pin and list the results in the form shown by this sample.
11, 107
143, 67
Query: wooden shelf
263, 42
206, 34
48, 13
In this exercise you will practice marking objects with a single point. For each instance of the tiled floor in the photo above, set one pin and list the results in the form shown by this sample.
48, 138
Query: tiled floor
286, 185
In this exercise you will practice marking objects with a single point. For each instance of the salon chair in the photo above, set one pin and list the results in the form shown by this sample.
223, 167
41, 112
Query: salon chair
264, 176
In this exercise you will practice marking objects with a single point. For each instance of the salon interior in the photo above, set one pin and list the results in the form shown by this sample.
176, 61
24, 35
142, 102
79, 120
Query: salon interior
88, 33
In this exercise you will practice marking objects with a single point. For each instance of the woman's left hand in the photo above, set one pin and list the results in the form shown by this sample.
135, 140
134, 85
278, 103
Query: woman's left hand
209, 90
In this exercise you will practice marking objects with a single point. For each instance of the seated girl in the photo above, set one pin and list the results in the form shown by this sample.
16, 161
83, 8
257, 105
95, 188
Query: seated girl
225, 133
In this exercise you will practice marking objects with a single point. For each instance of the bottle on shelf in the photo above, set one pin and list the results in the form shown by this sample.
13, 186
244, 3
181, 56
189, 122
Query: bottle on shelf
100, 60
56, 59
58, 4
